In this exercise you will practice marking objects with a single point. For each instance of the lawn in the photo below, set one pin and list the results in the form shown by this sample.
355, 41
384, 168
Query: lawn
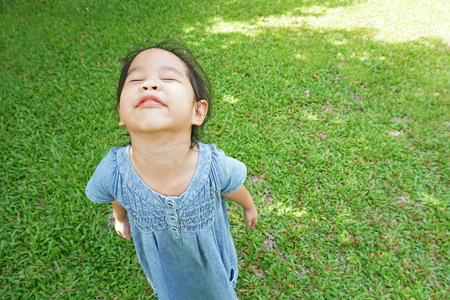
339, 109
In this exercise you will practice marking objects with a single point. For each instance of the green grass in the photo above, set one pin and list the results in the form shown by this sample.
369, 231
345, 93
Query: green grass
339, 109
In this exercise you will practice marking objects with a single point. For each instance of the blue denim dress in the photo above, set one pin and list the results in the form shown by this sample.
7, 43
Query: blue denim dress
183, 243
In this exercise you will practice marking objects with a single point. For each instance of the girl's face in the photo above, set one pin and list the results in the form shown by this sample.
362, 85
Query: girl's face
158, 97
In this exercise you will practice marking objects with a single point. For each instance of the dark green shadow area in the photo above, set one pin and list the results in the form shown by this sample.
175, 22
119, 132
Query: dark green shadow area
345, 139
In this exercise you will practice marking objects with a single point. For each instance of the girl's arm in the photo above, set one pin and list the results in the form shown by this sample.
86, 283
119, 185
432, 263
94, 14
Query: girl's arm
121, 225
243, 198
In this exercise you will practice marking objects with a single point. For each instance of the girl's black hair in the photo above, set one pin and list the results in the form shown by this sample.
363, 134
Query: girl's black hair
197, 76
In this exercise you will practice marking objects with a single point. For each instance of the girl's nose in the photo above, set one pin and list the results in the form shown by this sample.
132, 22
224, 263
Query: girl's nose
150, 85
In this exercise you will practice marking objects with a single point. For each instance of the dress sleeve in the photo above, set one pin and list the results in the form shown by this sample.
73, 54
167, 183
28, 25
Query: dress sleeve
231, 172
101, 188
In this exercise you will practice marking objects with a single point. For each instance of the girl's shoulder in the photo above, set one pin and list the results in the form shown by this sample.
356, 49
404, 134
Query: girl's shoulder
230, 172
101, 186
216, 153
114, 155
111, 162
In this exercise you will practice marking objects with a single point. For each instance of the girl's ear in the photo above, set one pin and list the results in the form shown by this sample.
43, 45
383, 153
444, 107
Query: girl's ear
200, 111
121, 123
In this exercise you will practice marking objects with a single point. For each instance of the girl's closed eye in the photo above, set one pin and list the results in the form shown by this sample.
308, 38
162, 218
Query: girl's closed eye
169, 78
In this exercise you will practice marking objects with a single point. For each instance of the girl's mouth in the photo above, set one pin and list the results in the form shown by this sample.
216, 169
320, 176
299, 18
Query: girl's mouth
150, 101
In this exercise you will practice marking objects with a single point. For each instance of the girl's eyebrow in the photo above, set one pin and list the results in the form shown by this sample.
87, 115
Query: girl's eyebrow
169, 68
134, 70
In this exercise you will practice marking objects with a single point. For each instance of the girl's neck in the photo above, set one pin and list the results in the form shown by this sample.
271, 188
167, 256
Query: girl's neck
166, 166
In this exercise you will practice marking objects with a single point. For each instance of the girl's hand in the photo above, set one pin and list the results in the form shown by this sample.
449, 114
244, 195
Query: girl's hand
243, 198
123, 228
121, 225
251, 216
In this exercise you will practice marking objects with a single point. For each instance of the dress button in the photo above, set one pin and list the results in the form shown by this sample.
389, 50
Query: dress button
174, 230
170, 204
173, 219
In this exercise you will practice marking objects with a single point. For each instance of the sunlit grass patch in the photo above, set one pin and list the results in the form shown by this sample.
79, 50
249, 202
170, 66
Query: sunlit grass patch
391, 21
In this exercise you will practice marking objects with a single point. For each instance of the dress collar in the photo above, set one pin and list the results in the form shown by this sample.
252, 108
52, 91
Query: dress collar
133, 181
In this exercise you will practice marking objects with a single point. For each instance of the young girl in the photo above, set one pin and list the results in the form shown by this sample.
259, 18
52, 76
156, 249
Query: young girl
165, 187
